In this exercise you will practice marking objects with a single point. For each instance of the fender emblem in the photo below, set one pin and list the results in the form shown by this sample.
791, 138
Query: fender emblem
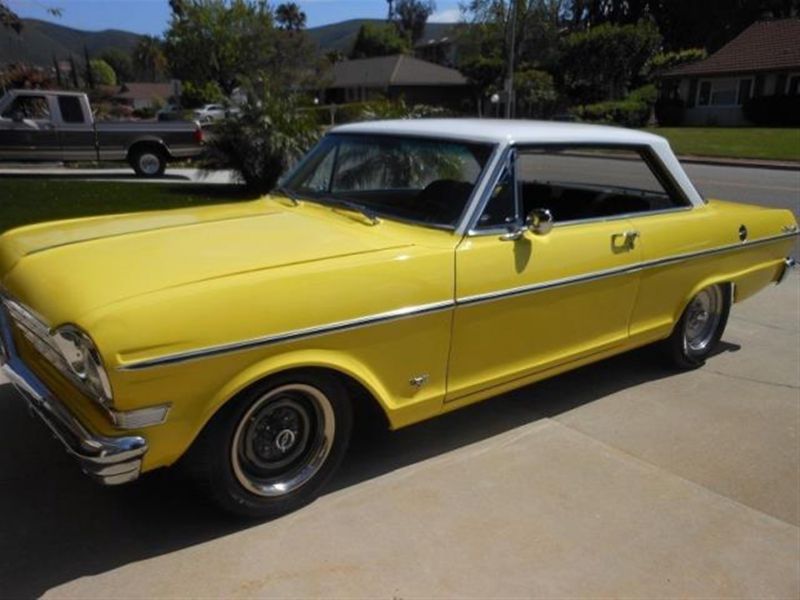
419, 380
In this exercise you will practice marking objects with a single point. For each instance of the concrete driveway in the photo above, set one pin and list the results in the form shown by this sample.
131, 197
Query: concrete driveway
622, 479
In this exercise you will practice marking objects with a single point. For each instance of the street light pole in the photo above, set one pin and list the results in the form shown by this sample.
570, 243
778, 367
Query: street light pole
510, 80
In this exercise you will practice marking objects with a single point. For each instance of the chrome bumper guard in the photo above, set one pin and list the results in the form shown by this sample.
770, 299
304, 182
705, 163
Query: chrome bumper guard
788, 264
109, 460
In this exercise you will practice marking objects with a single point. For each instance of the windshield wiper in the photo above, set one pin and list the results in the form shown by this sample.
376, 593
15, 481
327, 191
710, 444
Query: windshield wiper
350, 205
288, 193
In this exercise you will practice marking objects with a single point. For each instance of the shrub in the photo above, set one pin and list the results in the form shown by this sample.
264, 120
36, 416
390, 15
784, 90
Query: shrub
670, 111
102, 72
263, 140
647, 94
535, 93
629, 113
146, 112
197, 94
773, 110
665, 61
397, 109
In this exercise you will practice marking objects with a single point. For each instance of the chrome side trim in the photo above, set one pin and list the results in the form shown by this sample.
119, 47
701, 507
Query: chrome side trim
640, 266
410, 311
306, 332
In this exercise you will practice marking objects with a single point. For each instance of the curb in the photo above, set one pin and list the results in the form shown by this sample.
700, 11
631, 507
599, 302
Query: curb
741, 162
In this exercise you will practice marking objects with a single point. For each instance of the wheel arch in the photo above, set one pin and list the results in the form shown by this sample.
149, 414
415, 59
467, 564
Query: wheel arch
147, 142
728, 284
368, 394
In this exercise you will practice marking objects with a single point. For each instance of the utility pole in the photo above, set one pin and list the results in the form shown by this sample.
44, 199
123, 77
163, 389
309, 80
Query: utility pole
510, 79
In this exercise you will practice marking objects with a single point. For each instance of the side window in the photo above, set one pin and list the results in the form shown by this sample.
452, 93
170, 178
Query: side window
581, 182
30, 107
70, 107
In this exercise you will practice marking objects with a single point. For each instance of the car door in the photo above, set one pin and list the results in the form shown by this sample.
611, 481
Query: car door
76, 130
527, 303
28, 130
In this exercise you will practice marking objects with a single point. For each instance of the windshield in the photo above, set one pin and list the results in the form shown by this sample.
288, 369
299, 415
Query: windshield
422, 180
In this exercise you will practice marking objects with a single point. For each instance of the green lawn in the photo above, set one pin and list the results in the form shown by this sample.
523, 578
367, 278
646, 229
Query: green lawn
27, 200
733, 142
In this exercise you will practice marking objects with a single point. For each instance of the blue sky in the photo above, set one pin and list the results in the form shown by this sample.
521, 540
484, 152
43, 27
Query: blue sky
151, 16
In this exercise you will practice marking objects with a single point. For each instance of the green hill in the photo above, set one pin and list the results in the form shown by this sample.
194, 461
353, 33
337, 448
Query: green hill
41, 40
341, 36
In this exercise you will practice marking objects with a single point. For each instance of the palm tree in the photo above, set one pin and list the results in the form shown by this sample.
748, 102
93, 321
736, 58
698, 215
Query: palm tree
290, 17
148, 57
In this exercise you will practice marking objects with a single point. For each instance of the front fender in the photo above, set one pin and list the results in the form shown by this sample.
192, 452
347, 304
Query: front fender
340, 362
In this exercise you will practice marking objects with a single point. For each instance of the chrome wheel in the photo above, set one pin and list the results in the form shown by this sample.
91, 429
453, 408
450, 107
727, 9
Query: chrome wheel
283, 440
149, 163
702, 319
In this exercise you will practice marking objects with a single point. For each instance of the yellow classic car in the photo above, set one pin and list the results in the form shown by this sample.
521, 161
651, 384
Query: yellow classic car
412, 266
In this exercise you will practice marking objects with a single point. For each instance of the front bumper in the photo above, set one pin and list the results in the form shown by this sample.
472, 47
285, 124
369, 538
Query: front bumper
109, 460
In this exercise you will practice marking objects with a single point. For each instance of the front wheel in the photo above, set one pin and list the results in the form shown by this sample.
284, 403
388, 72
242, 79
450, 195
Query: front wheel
700, 327
271, 451
148, 161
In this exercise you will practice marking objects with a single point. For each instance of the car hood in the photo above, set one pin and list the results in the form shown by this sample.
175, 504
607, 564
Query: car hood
67, 268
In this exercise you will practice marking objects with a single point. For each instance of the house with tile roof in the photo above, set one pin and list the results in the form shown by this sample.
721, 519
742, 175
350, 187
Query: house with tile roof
763, 60
417, 81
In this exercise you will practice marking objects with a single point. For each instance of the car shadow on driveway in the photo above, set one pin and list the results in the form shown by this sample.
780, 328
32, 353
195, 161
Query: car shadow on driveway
57, 526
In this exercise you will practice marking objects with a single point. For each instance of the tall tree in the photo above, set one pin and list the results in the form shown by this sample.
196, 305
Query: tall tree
411, 17
149, 59
378, 40
225, 44
683, 23
121, 62
289, 17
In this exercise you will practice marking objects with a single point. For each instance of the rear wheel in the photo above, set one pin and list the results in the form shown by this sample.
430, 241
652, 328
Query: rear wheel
274, 448
700, 327
148, 161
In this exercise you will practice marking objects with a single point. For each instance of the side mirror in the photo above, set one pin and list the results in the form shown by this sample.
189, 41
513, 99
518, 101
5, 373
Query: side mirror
17, 117
540, 221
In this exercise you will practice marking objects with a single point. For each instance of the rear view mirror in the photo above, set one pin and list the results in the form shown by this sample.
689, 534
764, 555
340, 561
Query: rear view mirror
540, 221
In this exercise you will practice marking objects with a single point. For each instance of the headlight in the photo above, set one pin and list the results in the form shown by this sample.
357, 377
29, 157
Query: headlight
84, 361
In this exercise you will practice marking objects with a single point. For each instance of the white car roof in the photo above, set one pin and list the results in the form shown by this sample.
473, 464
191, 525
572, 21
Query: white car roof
504, 131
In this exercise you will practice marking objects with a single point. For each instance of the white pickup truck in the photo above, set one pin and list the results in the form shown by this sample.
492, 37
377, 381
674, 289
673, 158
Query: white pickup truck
44, 125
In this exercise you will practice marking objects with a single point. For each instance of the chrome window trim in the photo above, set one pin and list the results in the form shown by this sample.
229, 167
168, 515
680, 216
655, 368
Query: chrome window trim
483, 189
412, 311
621, 217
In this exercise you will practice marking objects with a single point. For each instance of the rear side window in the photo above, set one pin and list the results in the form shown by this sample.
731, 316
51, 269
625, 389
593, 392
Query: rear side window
587, 183
579, 183
70, 107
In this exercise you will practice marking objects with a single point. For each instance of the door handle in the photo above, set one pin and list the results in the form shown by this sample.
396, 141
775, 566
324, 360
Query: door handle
624, 241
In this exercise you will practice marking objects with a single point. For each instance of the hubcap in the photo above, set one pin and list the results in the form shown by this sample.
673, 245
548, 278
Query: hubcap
702, 319
283, 440
149, 163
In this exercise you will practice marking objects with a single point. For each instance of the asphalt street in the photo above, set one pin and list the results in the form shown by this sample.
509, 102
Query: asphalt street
621, 479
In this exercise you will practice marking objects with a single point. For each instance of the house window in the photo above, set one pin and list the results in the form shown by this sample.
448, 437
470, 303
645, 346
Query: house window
724, 92
794, 86
704, 94
745, 87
